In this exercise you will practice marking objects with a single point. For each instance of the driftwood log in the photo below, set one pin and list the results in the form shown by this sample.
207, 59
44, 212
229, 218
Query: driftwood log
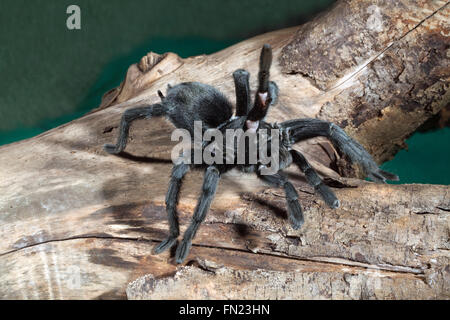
78, 223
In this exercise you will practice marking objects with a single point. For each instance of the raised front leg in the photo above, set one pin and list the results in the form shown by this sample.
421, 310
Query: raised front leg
178, 172
129, 116
267, 92
242, 87
295, 213
210, 182
301, 129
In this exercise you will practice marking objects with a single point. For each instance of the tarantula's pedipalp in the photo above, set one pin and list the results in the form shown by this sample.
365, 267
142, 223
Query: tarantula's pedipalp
314, 180
189, 102
301, 129
178, 173
273, 94
295, 212
210, 182
129, 116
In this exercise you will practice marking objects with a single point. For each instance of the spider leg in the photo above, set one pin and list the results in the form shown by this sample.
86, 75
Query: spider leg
242, 86
267, 93
313, 179
294, 209
129, 116
178, 173
210, 182
302, 129
265, 61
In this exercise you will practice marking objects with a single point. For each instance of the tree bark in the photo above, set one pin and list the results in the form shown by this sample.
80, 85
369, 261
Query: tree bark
78, 223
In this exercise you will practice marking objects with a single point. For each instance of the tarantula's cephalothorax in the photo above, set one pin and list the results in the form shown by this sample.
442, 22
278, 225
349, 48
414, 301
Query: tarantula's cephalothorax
194, 101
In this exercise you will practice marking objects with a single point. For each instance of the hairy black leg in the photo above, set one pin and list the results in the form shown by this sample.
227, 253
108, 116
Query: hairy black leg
313, 179
302, 129
267, 92
294, 208
265, 61
178, 172
242, 86
129, 116
210, 182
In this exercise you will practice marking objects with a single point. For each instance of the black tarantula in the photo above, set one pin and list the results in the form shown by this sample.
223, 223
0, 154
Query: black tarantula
194, 101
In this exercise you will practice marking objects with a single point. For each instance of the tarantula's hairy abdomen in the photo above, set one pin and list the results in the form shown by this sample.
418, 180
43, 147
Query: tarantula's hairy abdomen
194, 101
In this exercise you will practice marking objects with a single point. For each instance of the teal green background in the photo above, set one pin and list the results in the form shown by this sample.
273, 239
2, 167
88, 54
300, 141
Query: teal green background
51, 75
